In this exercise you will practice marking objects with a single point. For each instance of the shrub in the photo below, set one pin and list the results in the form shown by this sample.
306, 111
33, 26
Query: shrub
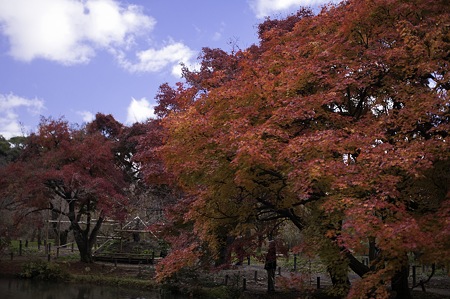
220, 292
42, 270
4, 245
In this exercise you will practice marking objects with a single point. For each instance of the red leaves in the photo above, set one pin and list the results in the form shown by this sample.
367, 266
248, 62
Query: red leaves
333, 115
183, 258
69, 164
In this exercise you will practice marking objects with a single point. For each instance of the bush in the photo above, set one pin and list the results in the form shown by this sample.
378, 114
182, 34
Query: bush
4, 245
42, 270
221, 292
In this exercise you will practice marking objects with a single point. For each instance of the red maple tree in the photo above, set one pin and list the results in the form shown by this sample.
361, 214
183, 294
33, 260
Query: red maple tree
329, 123
73, 172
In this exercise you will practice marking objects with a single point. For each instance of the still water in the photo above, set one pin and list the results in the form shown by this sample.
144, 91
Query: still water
29, 289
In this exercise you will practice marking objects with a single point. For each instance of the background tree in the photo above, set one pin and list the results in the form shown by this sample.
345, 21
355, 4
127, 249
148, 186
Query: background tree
158, 180
73, 172
10, 149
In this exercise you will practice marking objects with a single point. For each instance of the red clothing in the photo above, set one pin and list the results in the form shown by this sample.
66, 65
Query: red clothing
271, 257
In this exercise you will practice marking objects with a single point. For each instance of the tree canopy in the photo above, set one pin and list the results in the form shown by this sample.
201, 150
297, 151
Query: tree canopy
10, 148
73, 172
336, 122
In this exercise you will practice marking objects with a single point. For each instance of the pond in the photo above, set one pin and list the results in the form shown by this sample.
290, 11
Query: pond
31, 289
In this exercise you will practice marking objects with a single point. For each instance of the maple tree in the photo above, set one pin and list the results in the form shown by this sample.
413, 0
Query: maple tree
72, 172
155, 176
336, 122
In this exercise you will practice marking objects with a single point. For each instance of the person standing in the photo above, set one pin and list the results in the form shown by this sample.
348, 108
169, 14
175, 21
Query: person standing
271, 265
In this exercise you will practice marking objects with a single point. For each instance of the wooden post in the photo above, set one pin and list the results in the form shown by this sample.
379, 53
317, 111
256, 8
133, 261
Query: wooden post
256, 276
26, 243
279, 270
47, 228
318, 282
309, 272
58, 241
414, 275
39, 238
295, 262
423, 286
244, 284
248, 260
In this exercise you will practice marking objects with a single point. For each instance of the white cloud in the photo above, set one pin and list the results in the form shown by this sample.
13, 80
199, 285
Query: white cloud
87, 116
218, 34
69, 31
10, 105
264, 8
192, 65
154, 60
139, 111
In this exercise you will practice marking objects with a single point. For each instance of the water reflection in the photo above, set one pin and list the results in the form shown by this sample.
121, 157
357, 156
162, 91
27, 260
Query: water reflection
29, 289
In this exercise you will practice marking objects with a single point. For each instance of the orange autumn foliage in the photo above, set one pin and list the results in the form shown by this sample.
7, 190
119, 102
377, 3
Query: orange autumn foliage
336, 122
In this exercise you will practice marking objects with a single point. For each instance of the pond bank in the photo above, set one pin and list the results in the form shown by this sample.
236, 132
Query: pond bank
131, 277
140, 277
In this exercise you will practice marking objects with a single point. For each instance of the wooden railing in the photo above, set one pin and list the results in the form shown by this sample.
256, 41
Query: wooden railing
131, 258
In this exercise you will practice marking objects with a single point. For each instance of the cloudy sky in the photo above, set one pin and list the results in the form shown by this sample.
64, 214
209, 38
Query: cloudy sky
74, 58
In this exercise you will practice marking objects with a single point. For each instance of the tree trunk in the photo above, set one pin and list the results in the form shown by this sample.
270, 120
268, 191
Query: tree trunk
84, 248
372, 250
86, 241
224, 257
400, 285
85, 238
359, 268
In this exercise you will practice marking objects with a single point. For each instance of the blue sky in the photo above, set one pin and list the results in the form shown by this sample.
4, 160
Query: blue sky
74, 58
